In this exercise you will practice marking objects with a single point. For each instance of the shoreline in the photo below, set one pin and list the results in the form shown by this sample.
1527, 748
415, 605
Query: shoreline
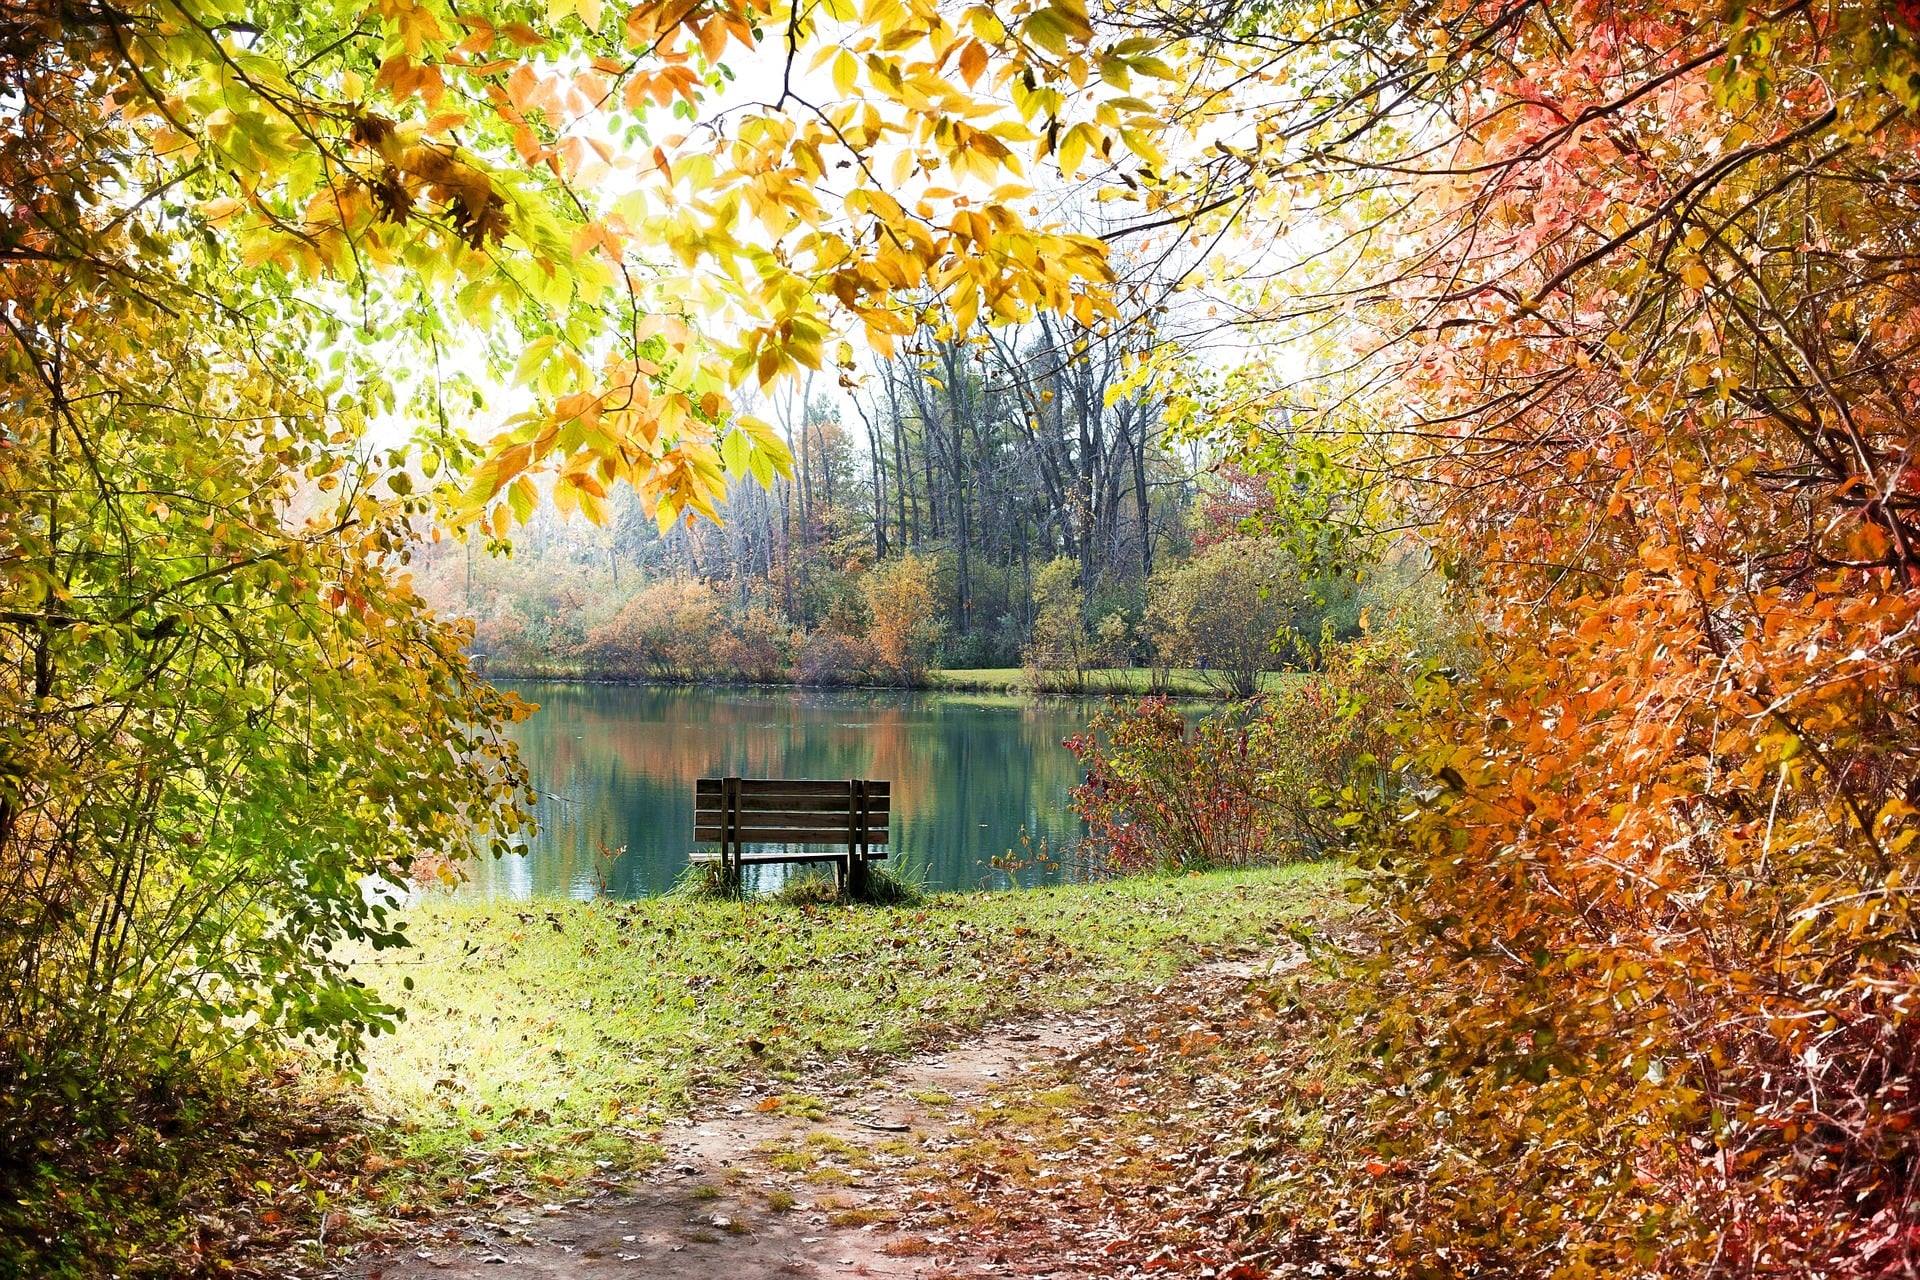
1105, 682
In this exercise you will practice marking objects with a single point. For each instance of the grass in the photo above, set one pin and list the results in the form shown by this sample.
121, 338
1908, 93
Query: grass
898, 884
1183, 682
546, 1042
1131, 680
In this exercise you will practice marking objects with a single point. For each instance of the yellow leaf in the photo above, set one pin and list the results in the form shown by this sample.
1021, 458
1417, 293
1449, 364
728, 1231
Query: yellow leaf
973, 60
1047, 29
1073, 15
1073, 148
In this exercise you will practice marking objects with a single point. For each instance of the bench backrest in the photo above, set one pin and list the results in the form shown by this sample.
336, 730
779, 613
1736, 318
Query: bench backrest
791, 811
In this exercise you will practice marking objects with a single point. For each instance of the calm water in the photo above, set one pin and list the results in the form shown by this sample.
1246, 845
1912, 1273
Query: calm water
615, 767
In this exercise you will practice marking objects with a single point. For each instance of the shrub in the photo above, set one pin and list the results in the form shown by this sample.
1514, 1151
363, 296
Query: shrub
1059, 651
1326, 744
1231, 610
757, 645
1163, 794
222, 715
1113, 639
682, 629
880, 885
668, 631
705, 880
903, 626
1268, 780
890, 884
999, 647
829, 658
809, 889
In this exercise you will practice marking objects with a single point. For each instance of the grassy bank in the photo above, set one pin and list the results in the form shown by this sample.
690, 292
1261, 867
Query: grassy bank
546, 1041
1182, 682
1185, 682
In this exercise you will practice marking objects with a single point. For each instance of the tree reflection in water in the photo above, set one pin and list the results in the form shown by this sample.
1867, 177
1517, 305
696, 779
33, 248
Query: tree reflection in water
615, 765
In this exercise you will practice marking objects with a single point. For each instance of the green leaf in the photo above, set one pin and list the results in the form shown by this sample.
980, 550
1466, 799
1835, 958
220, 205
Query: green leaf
522, 497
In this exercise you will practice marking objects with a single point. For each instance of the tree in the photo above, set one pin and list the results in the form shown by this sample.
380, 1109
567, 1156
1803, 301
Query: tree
417, 193
900, 606
1619, 302
231, 243
223, 710
671, 630
1232, 610
1113, 639
1059, 651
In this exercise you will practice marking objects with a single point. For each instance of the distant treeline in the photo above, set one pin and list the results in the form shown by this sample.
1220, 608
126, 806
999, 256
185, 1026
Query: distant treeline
971, 506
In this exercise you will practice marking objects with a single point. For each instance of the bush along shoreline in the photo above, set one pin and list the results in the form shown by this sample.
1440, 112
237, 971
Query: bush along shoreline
1181, 683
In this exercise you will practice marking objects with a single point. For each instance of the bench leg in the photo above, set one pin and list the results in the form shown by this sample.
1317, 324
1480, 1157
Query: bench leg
856, 876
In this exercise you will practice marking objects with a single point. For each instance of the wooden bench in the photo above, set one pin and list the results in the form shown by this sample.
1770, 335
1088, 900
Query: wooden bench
850, 813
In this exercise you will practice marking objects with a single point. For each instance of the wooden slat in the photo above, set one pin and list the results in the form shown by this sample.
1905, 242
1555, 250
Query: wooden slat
812, 835
818, 824
788, 818
789, 804
790, 786
764, 834
815, 831
813, 821
788, 835
778, 786
792, 805
768, 859
784, 805
800, 786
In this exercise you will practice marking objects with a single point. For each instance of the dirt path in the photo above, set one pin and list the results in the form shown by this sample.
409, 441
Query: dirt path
800, 1183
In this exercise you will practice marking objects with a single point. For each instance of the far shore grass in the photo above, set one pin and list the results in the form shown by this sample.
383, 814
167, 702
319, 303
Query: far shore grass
546, 1041
1185, 682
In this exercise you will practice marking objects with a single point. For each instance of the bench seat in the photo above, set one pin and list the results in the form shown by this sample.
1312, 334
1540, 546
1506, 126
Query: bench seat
848, 815
754, 859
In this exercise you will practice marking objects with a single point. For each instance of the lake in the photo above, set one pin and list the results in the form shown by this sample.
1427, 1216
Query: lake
615, 767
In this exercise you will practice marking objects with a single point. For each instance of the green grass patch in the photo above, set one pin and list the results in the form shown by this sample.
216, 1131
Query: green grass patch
1188, 682
881, 885
797, 1106
546, 1041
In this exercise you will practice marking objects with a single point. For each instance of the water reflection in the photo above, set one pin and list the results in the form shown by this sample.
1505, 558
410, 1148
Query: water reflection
615, 766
